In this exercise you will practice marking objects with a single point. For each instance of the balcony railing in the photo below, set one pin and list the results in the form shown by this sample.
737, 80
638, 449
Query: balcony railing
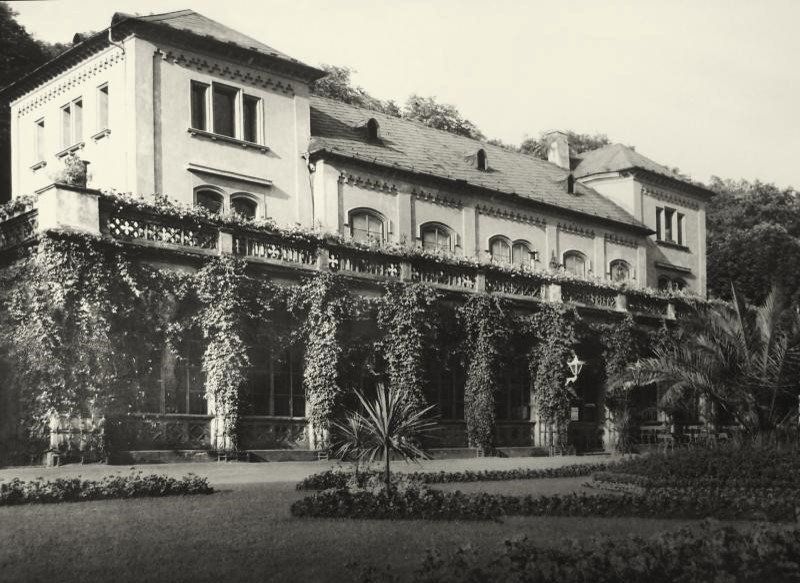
139, 224
18, 229
274, 249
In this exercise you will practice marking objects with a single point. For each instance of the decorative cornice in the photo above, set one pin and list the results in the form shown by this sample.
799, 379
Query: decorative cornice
227, 71
510, 215
435, 198
220, 173
365, 182
617, 240
669, 197
576, 230
75, 79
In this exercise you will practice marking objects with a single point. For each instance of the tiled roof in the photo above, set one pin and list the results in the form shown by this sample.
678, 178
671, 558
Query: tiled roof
338, 129
197, 24
618, 157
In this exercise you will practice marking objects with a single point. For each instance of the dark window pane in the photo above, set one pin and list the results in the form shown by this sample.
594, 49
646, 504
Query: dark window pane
224, 111
668, 215
659, 214
244, 207
500, 251
209, 200
250, 119
199, 106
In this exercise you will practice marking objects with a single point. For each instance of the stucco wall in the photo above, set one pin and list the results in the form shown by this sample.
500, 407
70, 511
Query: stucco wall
341, 187
107, 154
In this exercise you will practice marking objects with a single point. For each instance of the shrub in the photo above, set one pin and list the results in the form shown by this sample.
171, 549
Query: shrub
74, 489
420, 502
339, 478
710, 553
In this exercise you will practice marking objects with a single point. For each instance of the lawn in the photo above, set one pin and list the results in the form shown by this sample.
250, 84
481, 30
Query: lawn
245, 532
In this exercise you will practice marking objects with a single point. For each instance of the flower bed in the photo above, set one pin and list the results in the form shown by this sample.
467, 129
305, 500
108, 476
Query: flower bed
711, 553
423, 503
730, 464
339, 478
74, 489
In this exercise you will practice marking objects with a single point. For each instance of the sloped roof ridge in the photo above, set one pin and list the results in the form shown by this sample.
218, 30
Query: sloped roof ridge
482, 143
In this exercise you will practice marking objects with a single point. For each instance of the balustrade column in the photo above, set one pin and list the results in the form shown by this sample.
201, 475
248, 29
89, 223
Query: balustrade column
61, 207
225, 242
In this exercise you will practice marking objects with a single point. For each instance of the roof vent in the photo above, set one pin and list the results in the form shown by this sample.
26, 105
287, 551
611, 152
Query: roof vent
481, 160
373, 129
571, 183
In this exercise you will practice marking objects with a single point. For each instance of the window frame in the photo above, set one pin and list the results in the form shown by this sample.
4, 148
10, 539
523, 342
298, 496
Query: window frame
369, 213
501, 239
575, 253
217, 192
532, 254
102, 113
681, 227
627, 265
669, 232
39, 140
439, 228
74, 112
659, 220
246, 196
240, 96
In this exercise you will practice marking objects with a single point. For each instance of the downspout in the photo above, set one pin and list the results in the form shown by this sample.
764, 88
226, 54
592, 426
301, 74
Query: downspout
311, 169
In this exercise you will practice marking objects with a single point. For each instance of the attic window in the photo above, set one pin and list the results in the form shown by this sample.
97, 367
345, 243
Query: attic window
483, 163
571, 184
373, 129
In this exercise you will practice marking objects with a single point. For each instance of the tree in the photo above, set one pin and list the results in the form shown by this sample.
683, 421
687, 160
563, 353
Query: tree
338, 85
743, 361
388, 426
578, 143
753, 239
441, 116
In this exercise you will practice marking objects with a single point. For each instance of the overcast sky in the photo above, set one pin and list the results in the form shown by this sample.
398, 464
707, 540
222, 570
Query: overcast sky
711, 87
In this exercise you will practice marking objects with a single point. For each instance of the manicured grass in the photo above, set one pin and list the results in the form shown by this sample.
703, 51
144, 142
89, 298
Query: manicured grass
245, 532
543, 487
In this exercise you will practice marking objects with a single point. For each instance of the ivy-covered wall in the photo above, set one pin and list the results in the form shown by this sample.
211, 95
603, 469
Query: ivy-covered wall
85, 323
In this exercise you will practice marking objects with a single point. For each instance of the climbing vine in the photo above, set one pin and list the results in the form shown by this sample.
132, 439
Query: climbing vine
326, 302
554, 329
485, 323
223, 290
406, 317
78, 317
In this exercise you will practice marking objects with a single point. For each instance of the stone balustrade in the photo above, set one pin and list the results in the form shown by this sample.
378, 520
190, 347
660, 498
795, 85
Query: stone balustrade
75, 209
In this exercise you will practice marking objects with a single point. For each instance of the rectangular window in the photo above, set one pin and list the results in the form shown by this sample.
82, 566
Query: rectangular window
38, 144
72, 123
250, 118
102, 107
77, 121
659, 219
66, 126
199, 105
669, 215
225, 110
681, 220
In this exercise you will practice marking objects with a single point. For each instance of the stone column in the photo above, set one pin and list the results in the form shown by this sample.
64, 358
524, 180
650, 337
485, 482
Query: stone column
68, 208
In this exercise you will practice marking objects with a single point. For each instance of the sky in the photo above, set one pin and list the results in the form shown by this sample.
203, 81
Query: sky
710, 87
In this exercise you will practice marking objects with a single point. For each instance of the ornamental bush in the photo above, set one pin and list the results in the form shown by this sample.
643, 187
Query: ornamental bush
709, 553
423, 503
137, 485
338, 478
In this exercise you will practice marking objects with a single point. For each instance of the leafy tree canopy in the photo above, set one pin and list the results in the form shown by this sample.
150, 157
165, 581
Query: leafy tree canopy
578, 143
338, 85
441, 116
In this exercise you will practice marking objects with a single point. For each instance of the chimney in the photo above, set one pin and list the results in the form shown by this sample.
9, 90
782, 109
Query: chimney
557, 149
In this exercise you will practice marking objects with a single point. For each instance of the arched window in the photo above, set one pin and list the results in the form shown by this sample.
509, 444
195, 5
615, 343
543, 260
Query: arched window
482, 161
664, 283
244, 206
521, 254
211, 200
365, 225
373, 129
500, 250
436, 236
678, 284
575, 263
619, 270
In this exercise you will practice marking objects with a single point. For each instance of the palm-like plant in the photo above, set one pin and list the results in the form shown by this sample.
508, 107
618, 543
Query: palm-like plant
350, 438
389, 425
741, 359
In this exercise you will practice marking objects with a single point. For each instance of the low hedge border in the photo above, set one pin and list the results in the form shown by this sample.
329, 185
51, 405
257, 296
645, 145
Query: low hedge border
40, 490
754, 482
708, 553
424, 503
340, 478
